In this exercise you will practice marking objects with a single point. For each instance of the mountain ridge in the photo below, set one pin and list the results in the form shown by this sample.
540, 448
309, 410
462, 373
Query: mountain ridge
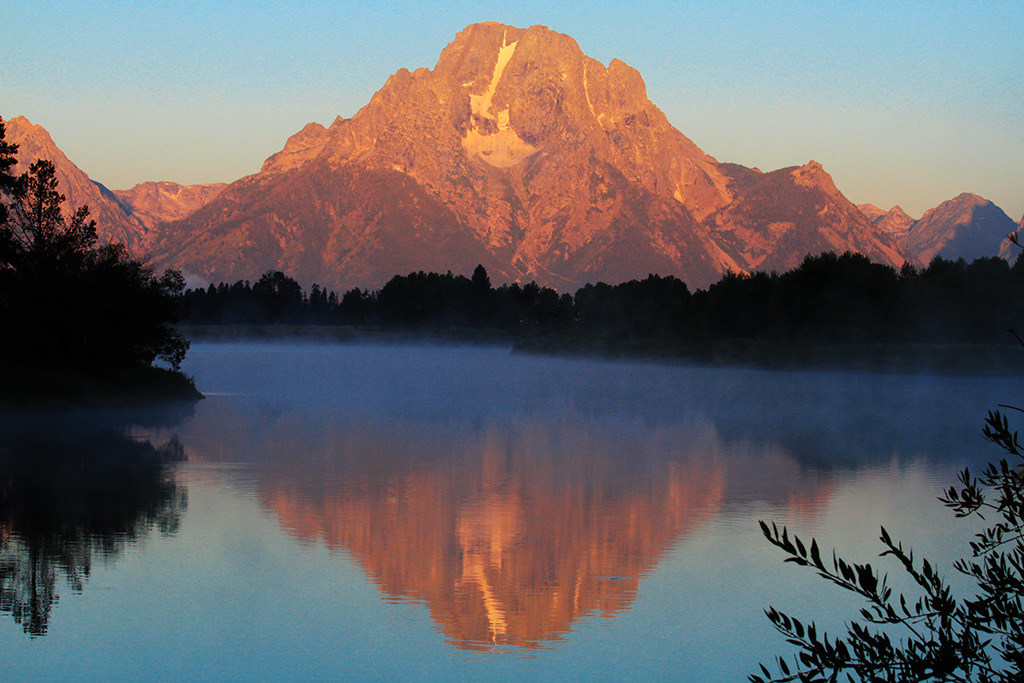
556, 166
967, 226
112, 221
132, 217
519, 152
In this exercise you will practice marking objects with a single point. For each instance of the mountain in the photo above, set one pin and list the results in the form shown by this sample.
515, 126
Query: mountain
894, 222
112, 221
153, 203
967, 226
130, 216
519, 152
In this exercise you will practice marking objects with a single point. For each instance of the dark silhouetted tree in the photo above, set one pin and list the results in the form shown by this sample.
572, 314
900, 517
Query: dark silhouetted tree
68, 303
278, 296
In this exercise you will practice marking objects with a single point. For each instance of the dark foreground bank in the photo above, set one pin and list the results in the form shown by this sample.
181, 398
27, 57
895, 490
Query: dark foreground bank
34, 388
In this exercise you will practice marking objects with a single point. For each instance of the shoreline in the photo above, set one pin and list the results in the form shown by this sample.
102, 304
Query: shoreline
30, 389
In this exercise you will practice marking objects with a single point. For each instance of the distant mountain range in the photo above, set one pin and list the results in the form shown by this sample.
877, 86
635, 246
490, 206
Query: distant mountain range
518, 152
967, 226
132, 217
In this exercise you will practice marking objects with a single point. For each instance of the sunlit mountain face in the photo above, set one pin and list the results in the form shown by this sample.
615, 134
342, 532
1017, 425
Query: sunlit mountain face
519, 152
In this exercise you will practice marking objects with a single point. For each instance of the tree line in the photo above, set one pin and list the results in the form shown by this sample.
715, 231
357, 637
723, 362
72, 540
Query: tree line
415, 302
828, 298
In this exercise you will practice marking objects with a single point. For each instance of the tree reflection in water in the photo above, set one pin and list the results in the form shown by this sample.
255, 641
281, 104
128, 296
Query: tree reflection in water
74, 489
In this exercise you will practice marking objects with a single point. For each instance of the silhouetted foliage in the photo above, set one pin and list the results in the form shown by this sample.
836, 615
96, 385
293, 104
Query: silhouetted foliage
68, 303
843, 299
415, 302
278, 296
8, 181
828, 299
934, 635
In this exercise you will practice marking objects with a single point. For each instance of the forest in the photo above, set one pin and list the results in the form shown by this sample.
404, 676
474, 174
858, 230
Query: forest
828, 299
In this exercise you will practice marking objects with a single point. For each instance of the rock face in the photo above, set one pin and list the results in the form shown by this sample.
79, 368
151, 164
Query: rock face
113, 223
967, 226
130, 216
894, 222
152, 203
519, 152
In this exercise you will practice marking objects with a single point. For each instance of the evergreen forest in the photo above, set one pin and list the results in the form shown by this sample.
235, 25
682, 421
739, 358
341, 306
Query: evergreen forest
839, 301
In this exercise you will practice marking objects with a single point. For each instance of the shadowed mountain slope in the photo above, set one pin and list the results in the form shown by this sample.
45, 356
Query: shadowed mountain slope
967, 226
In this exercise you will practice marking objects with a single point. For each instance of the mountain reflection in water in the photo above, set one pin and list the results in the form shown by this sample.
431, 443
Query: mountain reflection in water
75, 489
509, 545
419, 513
509, 531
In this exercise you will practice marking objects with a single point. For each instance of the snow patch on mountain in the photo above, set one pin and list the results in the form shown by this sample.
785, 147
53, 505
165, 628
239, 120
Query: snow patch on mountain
503, 148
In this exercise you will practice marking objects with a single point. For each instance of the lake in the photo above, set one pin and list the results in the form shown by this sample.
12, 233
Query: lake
428, 513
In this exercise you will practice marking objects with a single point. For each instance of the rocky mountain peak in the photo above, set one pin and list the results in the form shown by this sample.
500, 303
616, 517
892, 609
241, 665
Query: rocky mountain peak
968, 198
505, 95
963, 204
34, 142
300, 148
112, 221
125, 216
522, 153
872, 212
158, 202
966, 226
519, 152
894, 222
812, 174
898, 212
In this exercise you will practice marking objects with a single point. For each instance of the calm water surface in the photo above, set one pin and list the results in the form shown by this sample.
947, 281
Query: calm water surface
425, 513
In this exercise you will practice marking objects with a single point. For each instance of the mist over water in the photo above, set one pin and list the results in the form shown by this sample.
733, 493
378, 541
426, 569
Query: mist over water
436, 513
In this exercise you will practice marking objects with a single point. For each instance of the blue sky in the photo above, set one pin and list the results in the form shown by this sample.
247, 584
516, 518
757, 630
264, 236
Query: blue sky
904, 103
